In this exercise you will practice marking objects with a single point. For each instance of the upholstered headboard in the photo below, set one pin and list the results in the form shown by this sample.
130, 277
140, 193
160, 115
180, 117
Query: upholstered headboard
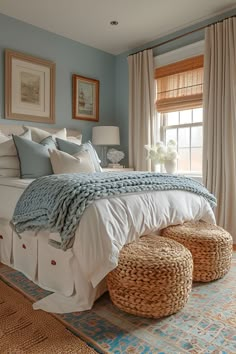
17, 129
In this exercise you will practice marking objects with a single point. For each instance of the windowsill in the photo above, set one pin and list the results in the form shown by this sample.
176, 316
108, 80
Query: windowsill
195, 176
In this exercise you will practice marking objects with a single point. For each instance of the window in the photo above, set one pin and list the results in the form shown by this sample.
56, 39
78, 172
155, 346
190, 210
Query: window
185, 127
179, 104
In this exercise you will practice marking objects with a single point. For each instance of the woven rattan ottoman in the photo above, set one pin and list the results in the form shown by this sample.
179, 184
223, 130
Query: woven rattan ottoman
153, 277
210, 245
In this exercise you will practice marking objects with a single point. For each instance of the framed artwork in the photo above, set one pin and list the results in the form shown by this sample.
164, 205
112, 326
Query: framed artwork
85, 98
29, 88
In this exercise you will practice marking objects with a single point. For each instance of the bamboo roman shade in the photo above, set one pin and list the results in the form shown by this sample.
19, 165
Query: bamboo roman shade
180, 85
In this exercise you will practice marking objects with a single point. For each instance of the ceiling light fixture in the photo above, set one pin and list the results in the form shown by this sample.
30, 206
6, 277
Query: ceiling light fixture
114, 23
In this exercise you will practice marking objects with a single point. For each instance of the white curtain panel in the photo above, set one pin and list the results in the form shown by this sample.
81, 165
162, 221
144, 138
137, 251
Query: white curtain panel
141, 108
219, 104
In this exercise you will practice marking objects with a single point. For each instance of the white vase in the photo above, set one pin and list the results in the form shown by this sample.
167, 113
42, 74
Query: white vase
170, 166
156, 167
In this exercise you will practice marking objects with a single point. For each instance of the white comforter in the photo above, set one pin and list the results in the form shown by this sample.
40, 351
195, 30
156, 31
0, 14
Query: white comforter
110, 223
10, 191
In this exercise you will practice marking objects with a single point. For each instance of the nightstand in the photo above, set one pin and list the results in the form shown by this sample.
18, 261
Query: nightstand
124, 169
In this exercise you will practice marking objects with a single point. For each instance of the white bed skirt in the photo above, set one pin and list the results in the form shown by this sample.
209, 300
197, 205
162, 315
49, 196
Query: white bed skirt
50, 268
76, 277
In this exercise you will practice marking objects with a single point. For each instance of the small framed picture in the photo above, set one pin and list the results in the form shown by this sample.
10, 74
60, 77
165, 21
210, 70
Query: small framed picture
29, 88
85, 98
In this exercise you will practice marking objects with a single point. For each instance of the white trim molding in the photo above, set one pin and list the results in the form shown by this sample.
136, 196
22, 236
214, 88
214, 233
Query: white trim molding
182, 53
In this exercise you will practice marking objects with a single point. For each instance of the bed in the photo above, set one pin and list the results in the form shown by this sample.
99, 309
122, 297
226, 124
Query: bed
76, 276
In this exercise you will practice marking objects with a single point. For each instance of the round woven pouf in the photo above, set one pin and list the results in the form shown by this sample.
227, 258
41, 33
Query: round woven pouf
210, 245
153, 277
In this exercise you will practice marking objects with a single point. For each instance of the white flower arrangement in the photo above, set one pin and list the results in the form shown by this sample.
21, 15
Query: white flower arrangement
115, 156
160, 153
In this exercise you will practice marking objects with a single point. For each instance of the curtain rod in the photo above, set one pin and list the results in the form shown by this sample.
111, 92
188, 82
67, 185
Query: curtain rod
181, 35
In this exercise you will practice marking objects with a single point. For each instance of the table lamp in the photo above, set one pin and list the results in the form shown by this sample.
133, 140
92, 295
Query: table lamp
105, 136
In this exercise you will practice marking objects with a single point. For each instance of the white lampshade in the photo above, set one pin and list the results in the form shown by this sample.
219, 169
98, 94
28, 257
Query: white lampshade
106, 135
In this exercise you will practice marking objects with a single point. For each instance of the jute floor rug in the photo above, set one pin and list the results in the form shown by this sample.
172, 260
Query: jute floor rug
207, 324
23, 330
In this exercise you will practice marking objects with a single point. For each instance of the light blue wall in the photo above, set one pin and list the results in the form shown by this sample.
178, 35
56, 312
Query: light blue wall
122, 81
70, 57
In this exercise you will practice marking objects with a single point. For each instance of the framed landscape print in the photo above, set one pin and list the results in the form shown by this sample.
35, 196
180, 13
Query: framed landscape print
85, 98
29, 88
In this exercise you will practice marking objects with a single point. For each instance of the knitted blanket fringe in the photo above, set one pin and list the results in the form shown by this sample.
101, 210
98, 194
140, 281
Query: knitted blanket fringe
57, 202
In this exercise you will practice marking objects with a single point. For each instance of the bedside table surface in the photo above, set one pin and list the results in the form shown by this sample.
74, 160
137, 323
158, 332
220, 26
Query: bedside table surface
124, 169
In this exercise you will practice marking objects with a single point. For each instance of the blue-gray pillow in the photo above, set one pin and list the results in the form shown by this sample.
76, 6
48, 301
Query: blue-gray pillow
34, 158
73, 149
49, 142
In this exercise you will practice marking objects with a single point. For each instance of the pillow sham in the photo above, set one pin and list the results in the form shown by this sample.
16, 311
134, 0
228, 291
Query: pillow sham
66, 163
39, 134
9, 172
7, 148
9, 166
72, 149
75, 139
9, 162
3, 137
34, 158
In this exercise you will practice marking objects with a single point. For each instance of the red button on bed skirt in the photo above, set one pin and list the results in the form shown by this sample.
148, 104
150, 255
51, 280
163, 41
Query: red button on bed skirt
24, 246
1, 237
53, 262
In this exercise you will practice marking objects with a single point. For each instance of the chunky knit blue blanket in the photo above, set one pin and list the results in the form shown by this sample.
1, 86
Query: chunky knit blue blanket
57, 202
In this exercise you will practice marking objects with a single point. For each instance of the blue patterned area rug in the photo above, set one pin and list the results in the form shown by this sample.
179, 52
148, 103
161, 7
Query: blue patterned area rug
207, 324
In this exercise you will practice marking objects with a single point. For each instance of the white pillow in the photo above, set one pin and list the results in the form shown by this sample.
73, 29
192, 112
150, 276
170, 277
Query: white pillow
40, 134
7, 148
66, 163
75, 139
8, 172
3, 137
9, 162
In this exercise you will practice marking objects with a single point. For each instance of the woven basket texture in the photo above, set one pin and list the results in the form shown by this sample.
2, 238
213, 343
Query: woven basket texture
26, 331
153, 277
210, 245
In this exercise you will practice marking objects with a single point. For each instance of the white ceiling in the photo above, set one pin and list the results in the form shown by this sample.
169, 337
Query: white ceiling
87, 21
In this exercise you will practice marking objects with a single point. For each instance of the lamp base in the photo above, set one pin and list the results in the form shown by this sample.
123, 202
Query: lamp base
104, 156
